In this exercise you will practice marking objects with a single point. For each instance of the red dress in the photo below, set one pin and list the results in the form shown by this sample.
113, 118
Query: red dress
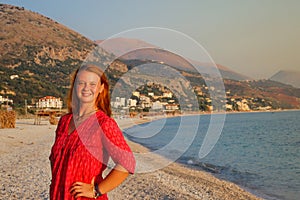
84, 153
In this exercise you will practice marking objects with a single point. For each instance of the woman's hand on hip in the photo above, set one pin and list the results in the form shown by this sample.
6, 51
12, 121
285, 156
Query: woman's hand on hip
80, 189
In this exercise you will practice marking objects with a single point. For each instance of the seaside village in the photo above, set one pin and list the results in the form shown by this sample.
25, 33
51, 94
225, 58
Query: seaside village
142, 103
166, 103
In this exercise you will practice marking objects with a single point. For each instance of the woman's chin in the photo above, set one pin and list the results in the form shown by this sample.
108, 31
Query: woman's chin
86, 100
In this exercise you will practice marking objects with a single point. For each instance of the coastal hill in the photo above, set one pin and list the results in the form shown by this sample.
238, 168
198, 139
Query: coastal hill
255, 93
37, 56
287, 77
25, 33
145, 51
135, 52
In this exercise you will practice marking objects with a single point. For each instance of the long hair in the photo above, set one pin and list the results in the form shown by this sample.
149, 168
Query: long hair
103, 99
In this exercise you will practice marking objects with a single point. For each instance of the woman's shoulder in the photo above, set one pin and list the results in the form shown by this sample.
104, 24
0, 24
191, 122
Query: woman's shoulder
65, 117
105, 119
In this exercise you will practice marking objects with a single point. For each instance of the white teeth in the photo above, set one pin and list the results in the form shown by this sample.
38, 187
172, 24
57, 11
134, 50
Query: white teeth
85, 94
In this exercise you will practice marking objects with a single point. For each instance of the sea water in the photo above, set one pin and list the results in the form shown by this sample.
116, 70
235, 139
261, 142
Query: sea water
258, 151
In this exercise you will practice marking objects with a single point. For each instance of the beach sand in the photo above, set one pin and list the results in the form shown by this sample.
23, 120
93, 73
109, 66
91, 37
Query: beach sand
25, 170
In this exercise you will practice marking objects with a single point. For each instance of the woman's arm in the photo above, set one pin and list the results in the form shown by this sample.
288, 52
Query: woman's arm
115, 177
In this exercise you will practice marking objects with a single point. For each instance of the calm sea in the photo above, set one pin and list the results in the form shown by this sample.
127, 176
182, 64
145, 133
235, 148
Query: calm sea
258, 151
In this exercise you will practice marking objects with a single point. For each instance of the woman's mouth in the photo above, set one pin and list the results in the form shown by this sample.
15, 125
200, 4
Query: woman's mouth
86, 94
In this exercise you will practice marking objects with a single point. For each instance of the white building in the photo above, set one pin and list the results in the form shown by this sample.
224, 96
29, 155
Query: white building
151, 94
132, 102
157, 105
243, 105
4, 100
168, 94
12, 77
49, 102
172, 107
119, 102
135, 93
229, 107
122, 102
145, 101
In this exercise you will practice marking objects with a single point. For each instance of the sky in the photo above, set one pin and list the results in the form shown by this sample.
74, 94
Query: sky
256, 38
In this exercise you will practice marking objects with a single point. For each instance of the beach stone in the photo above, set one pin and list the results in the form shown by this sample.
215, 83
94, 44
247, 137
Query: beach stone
25, 172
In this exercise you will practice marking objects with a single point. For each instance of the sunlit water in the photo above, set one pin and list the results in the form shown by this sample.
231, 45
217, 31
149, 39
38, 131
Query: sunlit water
258, 151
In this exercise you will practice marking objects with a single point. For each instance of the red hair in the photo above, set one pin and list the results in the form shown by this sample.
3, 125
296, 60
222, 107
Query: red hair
103, 99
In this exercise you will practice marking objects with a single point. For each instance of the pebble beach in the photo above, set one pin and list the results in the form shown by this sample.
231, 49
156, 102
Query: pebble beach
25, 170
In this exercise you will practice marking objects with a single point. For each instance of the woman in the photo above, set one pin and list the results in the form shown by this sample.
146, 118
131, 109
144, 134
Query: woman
85, 139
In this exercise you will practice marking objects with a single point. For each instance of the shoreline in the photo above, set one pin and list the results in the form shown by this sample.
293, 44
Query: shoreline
231, 190
25, 170
254, 191
151, 118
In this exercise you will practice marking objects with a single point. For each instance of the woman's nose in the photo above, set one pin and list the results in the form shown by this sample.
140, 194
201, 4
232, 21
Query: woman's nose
85, 86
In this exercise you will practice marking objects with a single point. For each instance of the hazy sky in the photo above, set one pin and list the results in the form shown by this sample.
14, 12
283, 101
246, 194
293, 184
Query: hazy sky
253, 37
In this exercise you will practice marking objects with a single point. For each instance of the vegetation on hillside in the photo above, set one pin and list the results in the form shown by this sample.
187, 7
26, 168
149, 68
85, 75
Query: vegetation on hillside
38, 55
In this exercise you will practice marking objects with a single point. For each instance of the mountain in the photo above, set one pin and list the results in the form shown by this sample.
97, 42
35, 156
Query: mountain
120, 46
25, 33
287, 77
268, 92
279, 95
133, 49
39, 53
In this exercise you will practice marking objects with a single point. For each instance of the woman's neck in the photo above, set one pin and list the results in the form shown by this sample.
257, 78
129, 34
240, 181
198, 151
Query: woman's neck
86, 110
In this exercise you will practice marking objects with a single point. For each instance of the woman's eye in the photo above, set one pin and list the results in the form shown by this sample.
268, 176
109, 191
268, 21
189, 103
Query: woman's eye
80, 83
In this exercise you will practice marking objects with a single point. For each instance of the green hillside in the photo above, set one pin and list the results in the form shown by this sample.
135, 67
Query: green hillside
38, 55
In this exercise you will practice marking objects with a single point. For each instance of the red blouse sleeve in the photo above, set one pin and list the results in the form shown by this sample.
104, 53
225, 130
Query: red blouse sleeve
116, 146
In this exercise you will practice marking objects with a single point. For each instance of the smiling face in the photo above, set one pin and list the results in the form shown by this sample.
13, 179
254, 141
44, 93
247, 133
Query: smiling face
87, 86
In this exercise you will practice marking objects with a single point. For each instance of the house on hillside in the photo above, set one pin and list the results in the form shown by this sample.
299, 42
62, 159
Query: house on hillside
119, 102
157, 105
49, 102
145, 101
243, 105
6, 103
5, 100
171, 108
